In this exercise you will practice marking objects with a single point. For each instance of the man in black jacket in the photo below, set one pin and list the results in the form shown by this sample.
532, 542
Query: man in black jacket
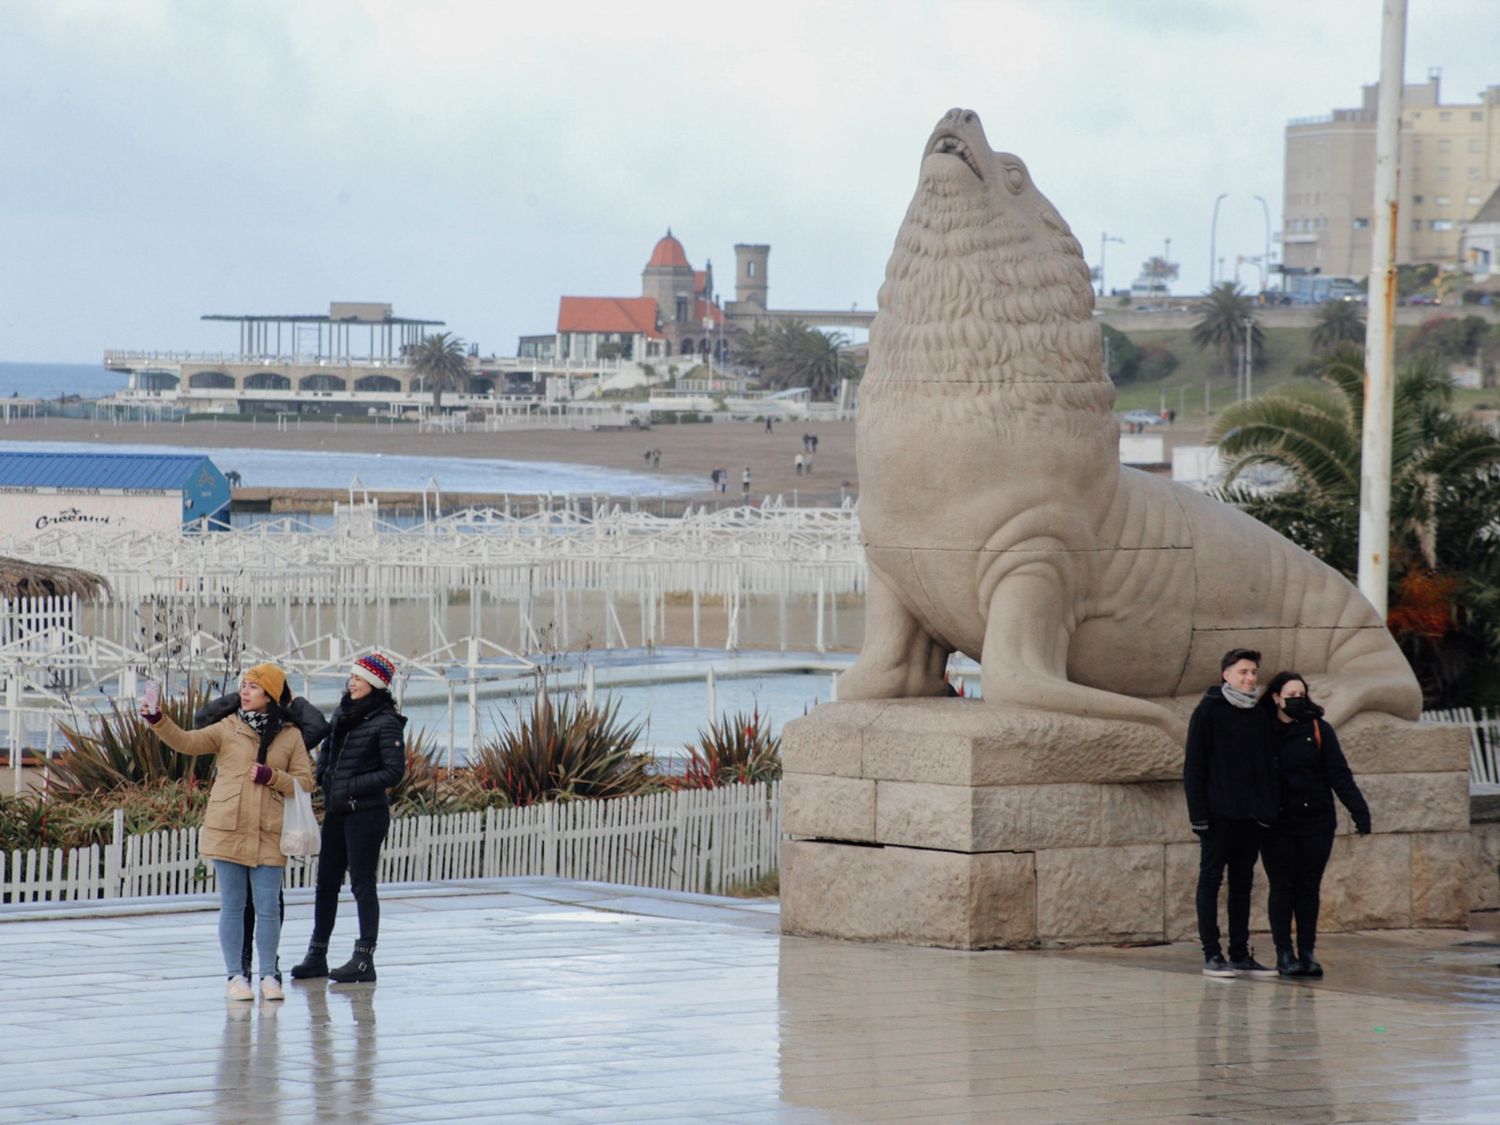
1229, 773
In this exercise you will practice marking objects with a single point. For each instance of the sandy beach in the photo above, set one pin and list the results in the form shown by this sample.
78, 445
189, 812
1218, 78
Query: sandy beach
686, 450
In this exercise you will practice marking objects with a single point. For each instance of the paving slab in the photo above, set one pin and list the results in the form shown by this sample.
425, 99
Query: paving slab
545, 1000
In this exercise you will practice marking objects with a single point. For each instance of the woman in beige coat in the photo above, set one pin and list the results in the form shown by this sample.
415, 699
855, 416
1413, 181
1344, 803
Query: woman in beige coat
260, 758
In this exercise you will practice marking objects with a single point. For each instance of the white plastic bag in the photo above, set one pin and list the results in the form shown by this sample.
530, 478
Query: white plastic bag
300, 837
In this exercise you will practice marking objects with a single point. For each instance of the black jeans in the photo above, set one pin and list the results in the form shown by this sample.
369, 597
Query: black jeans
1232, 844
351, 844
1295, 862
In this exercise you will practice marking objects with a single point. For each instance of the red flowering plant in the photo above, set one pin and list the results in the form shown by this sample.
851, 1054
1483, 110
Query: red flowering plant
738, 749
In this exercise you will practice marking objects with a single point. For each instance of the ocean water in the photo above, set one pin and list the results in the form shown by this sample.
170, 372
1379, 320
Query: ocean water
50, 380
287, 468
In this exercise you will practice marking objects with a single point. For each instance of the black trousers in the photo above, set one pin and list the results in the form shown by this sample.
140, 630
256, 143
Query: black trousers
1295, 861
351, 845
1231, 845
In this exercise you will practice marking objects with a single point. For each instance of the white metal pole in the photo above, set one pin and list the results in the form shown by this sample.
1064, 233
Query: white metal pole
1380, 329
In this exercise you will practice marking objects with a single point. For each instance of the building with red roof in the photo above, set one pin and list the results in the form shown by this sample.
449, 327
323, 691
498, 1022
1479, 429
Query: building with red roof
676, 314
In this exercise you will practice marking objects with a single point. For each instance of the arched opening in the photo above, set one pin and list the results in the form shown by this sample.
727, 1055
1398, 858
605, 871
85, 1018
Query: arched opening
322, 382
687, 346
381, 383
209, 380
156, 381
267, 381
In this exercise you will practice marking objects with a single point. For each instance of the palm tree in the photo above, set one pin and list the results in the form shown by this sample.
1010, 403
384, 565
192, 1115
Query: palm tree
442, 362
1445, 496
1222, 325
1338, 322
793, 355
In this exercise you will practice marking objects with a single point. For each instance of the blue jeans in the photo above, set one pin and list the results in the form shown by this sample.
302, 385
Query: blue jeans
236, 883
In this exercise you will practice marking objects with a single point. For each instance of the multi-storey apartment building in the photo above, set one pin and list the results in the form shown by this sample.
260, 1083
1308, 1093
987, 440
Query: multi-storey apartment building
1450, 164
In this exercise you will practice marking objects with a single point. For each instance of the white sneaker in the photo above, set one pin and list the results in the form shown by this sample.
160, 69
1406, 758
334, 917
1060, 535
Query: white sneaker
270, 989
238, 988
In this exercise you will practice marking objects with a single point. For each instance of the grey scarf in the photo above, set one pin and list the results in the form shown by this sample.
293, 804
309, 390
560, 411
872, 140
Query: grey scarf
255, 720
1244, 700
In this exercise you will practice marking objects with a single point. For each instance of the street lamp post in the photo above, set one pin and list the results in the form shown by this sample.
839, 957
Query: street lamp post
1213, 241
1249, 323
1104, 239
1265, 261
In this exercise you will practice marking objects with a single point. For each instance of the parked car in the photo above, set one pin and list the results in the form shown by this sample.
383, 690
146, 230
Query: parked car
1142, 418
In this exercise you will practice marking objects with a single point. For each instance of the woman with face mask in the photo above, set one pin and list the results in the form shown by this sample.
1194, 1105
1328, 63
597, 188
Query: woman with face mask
1310, 769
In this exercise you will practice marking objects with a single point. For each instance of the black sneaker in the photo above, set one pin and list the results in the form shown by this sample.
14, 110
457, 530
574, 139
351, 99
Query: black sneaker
1216, 966
1310, 967
1288, 964
1248, 966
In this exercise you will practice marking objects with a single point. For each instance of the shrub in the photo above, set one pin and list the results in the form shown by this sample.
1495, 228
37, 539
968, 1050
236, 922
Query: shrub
1156, 362
561, 750
117, 749
736, 750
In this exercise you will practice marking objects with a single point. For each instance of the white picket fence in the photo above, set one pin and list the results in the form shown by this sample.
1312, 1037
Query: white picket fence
1484, 740
702, 840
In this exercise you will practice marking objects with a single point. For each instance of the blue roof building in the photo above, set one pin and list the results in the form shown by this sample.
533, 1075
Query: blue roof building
204, 491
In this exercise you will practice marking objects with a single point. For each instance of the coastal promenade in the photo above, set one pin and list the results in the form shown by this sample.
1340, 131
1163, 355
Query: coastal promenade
533, 1000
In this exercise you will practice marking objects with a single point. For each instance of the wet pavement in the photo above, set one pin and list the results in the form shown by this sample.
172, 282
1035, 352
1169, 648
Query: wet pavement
543, 1000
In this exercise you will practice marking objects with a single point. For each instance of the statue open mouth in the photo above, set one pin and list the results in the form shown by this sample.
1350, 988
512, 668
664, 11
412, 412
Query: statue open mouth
950, 144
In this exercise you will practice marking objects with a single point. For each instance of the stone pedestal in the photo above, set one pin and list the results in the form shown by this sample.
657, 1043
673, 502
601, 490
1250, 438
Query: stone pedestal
957, 824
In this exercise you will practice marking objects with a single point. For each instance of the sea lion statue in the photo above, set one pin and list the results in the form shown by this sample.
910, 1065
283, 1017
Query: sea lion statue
998, 520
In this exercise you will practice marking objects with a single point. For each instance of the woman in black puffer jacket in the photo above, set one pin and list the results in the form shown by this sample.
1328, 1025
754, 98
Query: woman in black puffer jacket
1310, 769
363, 756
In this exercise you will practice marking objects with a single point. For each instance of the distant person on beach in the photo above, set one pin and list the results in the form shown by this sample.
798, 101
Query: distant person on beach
259, 753
797, 462
656, 458
713, 479
363, 756
745, 482
723, 480
309, 720
768, 424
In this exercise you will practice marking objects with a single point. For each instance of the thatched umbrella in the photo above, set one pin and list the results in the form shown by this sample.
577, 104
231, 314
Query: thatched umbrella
19, 579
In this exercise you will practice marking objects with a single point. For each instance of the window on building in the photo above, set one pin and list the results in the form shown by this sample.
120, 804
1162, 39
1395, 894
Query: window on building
1416, 224
1442, 224
1475, 115
682, 311
1443, 173
1445, 146
1417, 199
1441, 200
1445, 115
1361, 224
1475, 146
1473, 173
749, 269
1472, 200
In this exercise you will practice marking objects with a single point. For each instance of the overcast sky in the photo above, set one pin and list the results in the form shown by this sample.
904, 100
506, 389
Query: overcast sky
472, 161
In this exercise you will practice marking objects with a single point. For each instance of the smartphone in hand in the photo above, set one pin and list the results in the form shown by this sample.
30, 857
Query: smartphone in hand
151, 698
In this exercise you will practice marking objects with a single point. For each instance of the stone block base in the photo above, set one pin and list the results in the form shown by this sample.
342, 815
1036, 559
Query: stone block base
944, 823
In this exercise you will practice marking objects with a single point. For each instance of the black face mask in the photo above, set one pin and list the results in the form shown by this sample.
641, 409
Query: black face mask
1300, 707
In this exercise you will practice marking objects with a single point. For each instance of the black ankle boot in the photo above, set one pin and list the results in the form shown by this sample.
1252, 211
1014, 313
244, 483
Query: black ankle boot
315, 964
1287, 963
1310, 966
359, 969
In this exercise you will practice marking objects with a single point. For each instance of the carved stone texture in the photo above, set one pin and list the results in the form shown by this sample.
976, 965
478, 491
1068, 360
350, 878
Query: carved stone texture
999, 522
1441, 878
1484, 866
908, 895
1101, 894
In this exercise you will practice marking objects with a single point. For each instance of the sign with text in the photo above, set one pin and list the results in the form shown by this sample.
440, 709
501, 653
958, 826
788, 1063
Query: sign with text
25, 512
